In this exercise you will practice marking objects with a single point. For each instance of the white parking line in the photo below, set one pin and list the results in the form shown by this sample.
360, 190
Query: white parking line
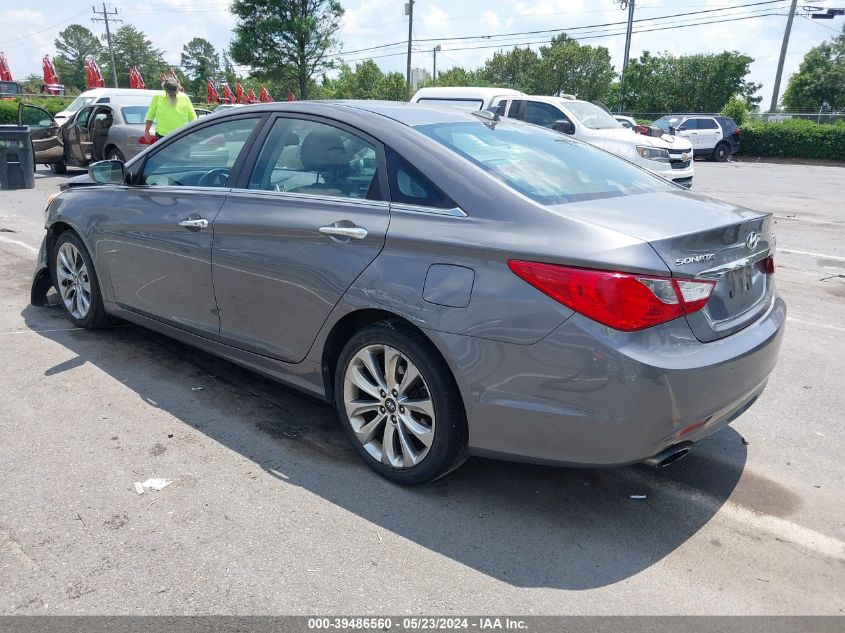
794, 252
7, 240
816, 324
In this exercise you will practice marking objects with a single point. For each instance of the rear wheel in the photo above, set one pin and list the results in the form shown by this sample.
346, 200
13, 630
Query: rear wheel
721, 152
58, 168
399, 404
76, 282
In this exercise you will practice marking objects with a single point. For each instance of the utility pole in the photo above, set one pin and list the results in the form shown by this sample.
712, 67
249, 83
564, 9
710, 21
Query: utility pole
626, 4
434, 73
783, 47
409, 11
106, 14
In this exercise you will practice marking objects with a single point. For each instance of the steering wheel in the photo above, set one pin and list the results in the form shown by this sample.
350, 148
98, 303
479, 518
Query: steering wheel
215, 178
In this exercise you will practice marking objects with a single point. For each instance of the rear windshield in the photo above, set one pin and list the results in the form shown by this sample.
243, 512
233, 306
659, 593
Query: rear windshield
546, 166
134, 115
10, 87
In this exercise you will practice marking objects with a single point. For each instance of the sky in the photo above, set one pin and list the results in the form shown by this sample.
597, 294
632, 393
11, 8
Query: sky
29, 29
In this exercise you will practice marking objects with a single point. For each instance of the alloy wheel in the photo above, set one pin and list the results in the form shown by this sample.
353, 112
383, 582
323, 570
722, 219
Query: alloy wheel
73, 280
389, 406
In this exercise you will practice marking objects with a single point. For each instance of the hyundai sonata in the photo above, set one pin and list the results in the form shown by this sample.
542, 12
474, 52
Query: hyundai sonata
454, 283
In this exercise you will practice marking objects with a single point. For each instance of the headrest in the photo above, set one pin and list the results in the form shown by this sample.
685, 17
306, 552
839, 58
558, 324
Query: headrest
321, 150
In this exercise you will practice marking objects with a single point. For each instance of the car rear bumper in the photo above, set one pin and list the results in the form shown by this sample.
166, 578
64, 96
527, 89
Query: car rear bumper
588, 395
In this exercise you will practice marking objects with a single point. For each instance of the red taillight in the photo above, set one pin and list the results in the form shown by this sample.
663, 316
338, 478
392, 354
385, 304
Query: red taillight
768, 265
623, 301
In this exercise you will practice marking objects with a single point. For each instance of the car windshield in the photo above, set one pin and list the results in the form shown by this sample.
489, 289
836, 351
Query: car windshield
544, 165
667, 122
79, 102
591, 116
134, 115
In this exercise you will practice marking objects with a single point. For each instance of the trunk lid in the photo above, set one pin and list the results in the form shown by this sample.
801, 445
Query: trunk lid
699, 237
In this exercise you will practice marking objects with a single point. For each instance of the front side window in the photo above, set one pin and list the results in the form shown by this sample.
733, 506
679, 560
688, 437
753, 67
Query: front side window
545, 166
35, 117
542, 114
689, 124
82, 118
304, 156
202, 158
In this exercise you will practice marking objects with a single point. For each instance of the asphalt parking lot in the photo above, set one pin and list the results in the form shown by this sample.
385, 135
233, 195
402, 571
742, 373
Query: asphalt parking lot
270, 511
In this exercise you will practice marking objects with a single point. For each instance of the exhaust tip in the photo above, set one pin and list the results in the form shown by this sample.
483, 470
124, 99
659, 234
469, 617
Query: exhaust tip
667, 456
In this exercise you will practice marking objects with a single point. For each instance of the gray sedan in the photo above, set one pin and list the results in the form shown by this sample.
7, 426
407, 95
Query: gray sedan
453, 283
95, 132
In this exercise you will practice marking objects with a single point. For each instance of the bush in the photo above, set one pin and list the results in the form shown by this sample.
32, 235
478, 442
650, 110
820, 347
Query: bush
737, 109
9, 108
794, 139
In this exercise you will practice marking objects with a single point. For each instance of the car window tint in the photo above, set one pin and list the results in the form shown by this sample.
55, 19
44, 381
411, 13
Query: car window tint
304, 156
82, 119
689, 124
463, 104
548, 167
201, 158
409, 186
542, 114
134, 115
707, 124
35, 117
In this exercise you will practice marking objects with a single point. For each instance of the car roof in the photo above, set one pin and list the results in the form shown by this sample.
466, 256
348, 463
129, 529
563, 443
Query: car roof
467, 92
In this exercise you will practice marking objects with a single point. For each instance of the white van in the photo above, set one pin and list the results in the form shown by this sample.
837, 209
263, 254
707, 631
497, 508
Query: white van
667, 156
464, 98
99, 95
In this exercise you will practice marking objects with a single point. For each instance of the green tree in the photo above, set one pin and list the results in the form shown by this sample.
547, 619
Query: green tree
365, 81
229, 73
820, 80
74, 45
133, 48
286, 38
688, 83
569, 67
393, 87
515, 69
457, 76
199, 62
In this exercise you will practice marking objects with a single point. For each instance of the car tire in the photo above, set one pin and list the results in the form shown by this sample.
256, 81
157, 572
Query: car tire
75, 279
58, 168
721, 152
427, 439
115, 154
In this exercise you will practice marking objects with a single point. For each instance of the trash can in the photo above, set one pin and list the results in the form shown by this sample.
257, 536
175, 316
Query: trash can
17, 162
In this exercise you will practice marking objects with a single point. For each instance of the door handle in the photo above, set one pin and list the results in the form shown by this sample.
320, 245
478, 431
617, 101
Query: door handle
355, 232
200, 223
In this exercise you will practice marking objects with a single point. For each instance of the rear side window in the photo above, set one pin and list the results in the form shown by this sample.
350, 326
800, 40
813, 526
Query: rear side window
707, 124
464, 104
409, 186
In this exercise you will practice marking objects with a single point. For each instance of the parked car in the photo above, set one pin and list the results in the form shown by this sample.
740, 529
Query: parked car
102, 96
713, 137
464, 97
94, 132
667, 156
455, 283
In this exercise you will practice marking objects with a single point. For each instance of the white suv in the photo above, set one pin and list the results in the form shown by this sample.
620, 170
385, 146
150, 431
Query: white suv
714, 137
667, 156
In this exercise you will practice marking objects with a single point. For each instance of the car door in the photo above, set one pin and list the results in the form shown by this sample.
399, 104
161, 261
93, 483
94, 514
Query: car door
78, 136
709, 133
689, 130
157, 238
46, 134
306, 220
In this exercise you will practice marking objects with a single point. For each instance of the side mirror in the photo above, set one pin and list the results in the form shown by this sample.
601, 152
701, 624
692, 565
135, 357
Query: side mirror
107, 172
564, 126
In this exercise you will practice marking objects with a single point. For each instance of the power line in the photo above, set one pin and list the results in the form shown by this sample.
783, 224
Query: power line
573, 28
62, 23
106, 15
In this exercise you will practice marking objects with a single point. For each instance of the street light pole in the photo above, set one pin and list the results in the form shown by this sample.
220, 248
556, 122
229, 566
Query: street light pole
434, 70
783, 47
409, 10
629, 4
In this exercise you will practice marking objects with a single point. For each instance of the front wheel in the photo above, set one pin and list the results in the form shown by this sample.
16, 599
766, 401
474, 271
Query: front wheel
721, 152
58, 168
399, 404
76, 282
116, 154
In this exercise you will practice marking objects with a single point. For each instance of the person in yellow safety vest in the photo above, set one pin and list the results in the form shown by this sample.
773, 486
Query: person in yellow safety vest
170, 110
